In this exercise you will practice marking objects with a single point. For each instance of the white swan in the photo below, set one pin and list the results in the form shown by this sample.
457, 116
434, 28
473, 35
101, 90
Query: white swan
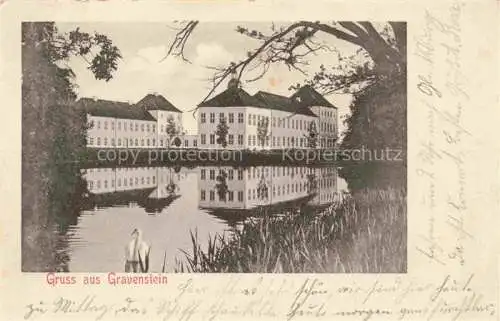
137, 253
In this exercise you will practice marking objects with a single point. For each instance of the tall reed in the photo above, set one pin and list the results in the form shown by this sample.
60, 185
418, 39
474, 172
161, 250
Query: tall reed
363, 233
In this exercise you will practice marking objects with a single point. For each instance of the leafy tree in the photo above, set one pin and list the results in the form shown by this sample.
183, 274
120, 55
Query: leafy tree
221, 132
177, 142
221, 185
53, 133
262, 189
262, 130
171, 128
312, 135
312, 183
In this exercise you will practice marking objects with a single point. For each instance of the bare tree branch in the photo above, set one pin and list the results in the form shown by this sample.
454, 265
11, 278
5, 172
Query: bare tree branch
281, 46
177, 46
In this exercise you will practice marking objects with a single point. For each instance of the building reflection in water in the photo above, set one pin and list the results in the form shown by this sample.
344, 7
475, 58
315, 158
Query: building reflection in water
233, 193
208, 199
152, 188
220, 188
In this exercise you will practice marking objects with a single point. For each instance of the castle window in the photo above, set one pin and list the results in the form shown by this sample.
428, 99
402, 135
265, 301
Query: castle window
240, 196
240, 139
212, 139
112, 142
231, 139
212, 174
231, 118
230, 174
240, 118
105, 141
195, 143
221, 117
203, 139
240, 174
147, 128
212, 118
203, 118
136, 127
142, 127
203, 174
202, 195
105, 124
212, 195
91, 140
98, 124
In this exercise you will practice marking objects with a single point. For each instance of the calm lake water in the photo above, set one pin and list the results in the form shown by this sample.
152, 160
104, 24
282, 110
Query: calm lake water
168, 203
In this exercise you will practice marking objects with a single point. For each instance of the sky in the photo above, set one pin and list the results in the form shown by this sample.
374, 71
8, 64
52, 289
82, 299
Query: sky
141, 71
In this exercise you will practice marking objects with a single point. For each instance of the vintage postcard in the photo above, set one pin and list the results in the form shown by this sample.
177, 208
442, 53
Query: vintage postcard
250, 160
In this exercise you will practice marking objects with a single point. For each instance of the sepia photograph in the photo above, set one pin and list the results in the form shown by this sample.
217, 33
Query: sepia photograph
214, 147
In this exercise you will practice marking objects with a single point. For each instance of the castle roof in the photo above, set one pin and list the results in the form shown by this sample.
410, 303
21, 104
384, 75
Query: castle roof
115, 109
157, 102
278, 102
308, 96
232, 97
237, 97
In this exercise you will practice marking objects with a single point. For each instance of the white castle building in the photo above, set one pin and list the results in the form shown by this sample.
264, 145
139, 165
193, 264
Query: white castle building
259, 122
267, 121
145, 124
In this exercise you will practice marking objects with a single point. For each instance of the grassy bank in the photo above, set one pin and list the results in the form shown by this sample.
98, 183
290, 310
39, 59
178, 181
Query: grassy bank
363, 233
